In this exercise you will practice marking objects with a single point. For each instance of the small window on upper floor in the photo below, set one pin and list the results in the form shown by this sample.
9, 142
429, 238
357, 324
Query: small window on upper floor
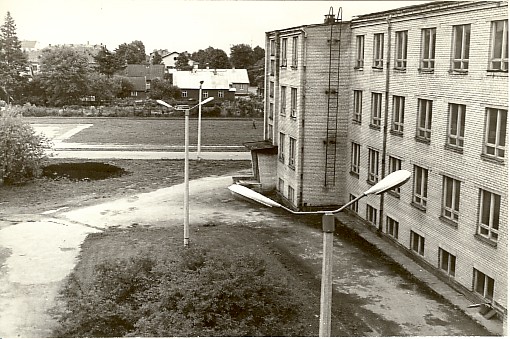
499, 46
428, 49
401, 50
378, 50
460, 48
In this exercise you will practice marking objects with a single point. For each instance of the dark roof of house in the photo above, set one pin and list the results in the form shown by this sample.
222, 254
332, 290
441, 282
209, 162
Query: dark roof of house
139, 83
148, 71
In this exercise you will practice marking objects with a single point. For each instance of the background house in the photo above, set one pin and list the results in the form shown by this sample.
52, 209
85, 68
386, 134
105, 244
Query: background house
141, 76
214, 85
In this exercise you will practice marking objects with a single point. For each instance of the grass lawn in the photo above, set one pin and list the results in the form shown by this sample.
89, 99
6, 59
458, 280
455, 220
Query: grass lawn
159, 131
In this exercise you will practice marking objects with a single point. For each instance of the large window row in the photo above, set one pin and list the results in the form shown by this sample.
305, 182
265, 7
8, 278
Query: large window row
460, 49
495, 129
489, 203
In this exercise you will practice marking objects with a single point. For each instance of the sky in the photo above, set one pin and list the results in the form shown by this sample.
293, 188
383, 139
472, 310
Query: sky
175, 25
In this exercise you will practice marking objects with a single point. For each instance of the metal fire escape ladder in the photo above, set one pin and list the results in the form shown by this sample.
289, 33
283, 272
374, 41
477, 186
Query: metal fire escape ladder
332, 100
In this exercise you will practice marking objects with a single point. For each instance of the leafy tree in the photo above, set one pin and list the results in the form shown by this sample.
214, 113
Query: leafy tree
102, 87
182, 62
157, 59
21, 150
211, 57
258, 53
256, 73
241, 56
34, 92
12, 59
107, 62
65, 75
132, 53
163, 89
125, 87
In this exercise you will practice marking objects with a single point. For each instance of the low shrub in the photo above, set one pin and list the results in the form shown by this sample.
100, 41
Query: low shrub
196, 293
22, 152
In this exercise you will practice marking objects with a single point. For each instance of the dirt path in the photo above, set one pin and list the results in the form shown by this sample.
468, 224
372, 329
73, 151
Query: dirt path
371, 296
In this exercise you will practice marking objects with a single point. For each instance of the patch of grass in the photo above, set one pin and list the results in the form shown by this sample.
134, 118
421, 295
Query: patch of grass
130, 131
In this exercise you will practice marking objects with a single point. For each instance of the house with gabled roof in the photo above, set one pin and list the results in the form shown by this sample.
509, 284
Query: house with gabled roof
214, 84
141, 76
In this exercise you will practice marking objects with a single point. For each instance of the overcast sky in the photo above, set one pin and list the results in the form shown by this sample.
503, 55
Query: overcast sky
174, 25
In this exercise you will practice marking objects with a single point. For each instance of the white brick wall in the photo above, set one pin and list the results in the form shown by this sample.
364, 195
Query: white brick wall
477, 90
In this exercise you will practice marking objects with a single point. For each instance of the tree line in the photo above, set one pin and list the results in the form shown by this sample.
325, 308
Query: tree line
66, 75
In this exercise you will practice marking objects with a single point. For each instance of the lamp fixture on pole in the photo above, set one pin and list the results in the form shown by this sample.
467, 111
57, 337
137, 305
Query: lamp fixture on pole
186, 170
391, 181
199, 141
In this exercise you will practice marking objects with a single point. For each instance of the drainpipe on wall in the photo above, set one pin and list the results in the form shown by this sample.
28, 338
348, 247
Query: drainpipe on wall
385, 125
302, 121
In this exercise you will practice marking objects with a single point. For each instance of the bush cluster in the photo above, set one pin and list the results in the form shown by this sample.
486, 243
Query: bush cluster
197, 293
22, 152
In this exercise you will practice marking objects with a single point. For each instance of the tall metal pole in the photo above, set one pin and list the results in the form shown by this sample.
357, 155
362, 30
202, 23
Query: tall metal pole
199, 120
328, 227
186, 177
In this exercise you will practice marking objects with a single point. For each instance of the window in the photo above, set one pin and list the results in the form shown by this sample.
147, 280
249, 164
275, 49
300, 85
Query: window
272, 67
401, 50
483, 284
358, 106
447, 262
499, 46
241, 86
360, 51
417, 243
184, 94
495, 132
281, 185
270, 132
292, 152
488, 210
397, 123
354, 206
283, 103
392, 227
421, 178
221, 94
272, 47
271, 110
378, 50
373, 166
281, 148
456, 125
460, 53
294, 51
291, 194
134, 93
451, 199
293, 102
355, 157
394, 164
371, 215
205, 94
424, 124
428, 49
284, 53
376, 109
271, 89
